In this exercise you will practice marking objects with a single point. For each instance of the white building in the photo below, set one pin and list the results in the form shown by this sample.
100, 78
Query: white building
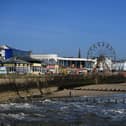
2, 51
88, 64
65, 61
45, 57
106, 65
119, 66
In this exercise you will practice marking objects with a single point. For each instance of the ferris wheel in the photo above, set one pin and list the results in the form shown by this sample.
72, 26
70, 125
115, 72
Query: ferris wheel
104, 53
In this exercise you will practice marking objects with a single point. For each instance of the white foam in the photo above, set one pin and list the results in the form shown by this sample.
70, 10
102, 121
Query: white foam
47, 100
119, 111
5, 106
17, 116
24, 105
64, 108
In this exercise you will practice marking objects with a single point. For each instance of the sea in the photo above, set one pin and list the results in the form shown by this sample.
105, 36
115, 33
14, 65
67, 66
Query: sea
69, 111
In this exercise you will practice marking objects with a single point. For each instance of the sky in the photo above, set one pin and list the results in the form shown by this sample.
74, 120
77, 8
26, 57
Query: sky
63, 26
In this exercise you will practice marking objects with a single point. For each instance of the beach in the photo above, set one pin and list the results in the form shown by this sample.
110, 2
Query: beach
54, 92
92, 90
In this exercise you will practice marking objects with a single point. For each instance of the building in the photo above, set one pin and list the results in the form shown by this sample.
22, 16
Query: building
2, 51
119, 65
7, 52
49, 60
22, 66
14, 65
46, 58
20, 61
64, 61
55, 63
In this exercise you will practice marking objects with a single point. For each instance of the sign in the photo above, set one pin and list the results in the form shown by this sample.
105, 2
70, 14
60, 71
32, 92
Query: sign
3, 70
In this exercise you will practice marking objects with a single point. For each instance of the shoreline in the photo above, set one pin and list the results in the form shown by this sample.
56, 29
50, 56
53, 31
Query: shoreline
74, 93
91, 90
53, 92
26, 87
57, 95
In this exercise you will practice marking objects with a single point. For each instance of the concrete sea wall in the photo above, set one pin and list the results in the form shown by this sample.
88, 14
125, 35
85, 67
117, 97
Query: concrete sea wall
23, 86
12, 88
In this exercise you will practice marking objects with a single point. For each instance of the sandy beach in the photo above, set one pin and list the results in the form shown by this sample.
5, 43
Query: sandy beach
92, 90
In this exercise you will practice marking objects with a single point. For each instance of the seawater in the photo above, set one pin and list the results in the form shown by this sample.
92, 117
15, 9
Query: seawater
72, 111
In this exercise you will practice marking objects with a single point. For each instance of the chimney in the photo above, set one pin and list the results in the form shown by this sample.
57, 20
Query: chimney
79, 53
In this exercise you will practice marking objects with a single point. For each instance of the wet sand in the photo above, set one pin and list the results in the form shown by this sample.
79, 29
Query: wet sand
67, 93
92, 90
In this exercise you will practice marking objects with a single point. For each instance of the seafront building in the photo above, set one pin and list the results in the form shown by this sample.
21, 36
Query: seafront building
18, 61
7, 52
71, 64
119, 65
24, 62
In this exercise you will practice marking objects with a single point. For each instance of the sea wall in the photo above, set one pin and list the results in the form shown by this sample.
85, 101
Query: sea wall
23, 86
12, 88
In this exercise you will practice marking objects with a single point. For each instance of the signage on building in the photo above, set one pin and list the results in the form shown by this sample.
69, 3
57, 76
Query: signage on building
3, 70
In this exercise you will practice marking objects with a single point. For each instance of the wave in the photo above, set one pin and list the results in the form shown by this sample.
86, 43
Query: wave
48, 110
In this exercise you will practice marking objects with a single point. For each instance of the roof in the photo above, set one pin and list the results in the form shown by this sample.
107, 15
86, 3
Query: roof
4, 47
15, 60
31, 60
75, 59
